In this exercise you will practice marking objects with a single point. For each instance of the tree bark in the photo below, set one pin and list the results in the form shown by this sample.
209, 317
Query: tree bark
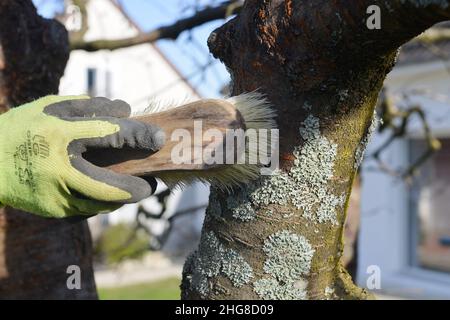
35, 252
322, 69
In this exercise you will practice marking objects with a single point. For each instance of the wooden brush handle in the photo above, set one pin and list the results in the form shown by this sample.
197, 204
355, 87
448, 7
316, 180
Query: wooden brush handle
212, 114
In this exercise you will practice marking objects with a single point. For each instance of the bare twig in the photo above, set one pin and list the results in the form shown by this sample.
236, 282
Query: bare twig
165, 32
391, 115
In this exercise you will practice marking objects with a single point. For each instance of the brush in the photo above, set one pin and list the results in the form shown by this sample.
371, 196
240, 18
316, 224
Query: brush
224, 116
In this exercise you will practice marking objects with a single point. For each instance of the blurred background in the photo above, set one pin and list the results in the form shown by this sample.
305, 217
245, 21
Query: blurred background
399, 219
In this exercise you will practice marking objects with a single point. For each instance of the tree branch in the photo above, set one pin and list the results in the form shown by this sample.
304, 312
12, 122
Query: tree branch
402, 20
433, 35
397, 121
165, 32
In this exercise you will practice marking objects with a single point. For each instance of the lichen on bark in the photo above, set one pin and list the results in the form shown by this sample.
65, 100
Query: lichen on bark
288, 260
322, 70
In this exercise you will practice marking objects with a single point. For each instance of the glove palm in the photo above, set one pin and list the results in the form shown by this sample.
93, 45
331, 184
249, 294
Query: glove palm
42, 168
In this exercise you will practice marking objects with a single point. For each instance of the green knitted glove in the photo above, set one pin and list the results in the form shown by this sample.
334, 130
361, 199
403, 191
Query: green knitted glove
41, 165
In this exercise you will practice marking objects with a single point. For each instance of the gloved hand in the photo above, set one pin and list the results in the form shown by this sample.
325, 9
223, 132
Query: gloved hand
41, 165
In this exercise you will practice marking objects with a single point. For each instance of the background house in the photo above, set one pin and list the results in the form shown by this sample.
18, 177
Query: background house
140, 75
405, 227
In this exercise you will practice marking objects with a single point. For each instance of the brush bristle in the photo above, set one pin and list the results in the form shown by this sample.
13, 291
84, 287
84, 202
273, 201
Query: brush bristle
257, 114
255, 109
155, 106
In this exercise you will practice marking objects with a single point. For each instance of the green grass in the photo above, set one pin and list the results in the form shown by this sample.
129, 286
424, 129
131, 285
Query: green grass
167, 289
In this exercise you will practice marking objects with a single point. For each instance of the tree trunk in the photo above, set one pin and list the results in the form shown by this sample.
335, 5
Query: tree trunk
35, 252
322, 69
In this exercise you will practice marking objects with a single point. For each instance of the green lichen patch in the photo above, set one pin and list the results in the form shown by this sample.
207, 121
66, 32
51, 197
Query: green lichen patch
240, 206
327, 209
211, 259
288, 256
236, 268
304, 186
271, 289
288, 260
273, 189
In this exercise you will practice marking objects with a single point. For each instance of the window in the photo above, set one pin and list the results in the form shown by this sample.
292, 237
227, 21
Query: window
430, 208
91, 82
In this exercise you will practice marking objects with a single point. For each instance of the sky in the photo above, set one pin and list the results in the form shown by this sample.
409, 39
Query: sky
189, 53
